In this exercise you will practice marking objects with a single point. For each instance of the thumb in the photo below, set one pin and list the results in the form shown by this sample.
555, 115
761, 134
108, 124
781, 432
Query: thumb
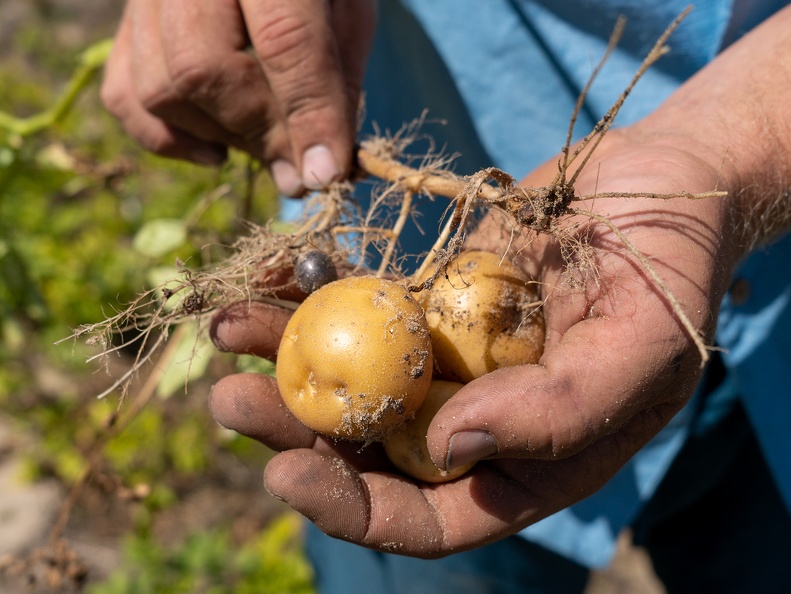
500, 415
580, 393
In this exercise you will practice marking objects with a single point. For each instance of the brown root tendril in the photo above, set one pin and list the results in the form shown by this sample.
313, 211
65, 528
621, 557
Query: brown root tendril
334, 224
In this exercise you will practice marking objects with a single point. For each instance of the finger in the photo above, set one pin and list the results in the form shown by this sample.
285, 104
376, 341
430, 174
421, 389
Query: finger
354, 23
153, 84
250, 404
588, 386
499, 497
495, 499
249, 327
298, 53
119, 96
204, 45
374, 509
387, 512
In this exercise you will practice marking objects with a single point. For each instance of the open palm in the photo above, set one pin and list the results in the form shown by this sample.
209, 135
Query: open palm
617, 365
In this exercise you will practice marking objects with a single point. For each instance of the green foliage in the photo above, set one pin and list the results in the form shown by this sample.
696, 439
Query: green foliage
271, 563
85, 217
153, 447
87, 220
91, 60
84, 214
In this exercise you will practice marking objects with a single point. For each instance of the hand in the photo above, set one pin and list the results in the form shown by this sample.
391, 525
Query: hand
184, 82
617, 365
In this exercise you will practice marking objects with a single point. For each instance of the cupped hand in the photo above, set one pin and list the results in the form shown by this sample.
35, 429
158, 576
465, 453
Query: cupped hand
617, 366
279, 79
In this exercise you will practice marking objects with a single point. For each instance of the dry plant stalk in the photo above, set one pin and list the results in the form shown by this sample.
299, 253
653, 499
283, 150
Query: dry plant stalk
334, 224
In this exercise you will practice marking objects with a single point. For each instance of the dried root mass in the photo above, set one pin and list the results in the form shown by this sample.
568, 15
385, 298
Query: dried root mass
334, 224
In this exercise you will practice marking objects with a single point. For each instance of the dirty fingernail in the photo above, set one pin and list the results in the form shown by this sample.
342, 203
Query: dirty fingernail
318, 167
285, 177
469, 446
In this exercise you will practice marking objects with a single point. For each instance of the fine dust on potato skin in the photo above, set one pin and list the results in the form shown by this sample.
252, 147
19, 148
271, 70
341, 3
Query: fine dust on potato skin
417, 358
518, 315
514, 312
509, 329
386, 398
365, 419
375, 421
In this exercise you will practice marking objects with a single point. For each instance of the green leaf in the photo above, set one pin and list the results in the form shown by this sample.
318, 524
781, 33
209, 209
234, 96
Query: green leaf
189, 361
159, 237
253, 364
7, 156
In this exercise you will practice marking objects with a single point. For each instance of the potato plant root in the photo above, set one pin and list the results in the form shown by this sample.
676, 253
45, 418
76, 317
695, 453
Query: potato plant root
260, 264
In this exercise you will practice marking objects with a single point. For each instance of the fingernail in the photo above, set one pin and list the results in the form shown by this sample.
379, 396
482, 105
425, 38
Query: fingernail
318, 167
208, 156
286, 178
469, 446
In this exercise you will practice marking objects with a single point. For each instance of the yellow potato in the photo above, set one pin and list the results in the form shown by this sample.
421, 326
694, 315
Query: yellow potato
355, 359
406, 446
482, 317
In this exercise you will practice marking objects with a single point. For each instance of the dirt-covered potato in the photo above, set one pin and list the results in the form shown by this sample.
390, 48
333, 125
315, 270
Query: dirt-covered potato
482, 317
406, 446
355, 359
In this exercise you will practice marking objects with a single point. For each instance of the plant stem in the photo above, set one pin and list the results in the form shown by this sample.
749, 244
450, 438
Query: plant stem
91, 60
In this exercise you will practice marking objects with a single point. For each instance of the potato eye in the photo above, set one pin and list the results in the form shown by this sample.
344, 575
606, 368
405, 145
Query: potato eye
313, 270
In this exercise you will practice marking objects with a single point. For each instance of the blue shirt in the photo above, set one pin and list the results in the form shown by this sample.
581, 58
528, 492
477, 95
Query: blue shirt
504, 75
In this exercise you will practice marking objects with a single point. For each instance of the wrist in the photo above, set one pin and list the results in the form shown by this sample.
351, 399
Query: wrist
734, 116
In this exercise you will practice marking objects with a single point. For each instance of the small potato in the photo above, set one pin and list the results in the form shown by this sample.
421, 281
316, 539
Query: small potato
482, 317
406, 446
355, 359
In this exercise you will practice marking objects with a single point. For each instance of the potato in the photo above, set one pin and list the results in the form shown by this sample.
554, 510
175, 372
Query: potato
355, 360
482, 317
406, 446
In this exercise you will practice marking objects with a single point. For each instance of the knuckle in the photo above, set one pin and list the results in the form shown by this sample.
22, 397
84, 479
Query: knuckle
187, 79
282, 41
306, 103
156, 142
191, 76
238, 98
113, 98
156, 95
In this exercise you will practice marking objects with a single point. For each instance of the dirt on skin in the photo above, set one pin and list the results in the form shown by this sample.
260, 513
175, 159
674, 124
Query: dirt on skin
367, 418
